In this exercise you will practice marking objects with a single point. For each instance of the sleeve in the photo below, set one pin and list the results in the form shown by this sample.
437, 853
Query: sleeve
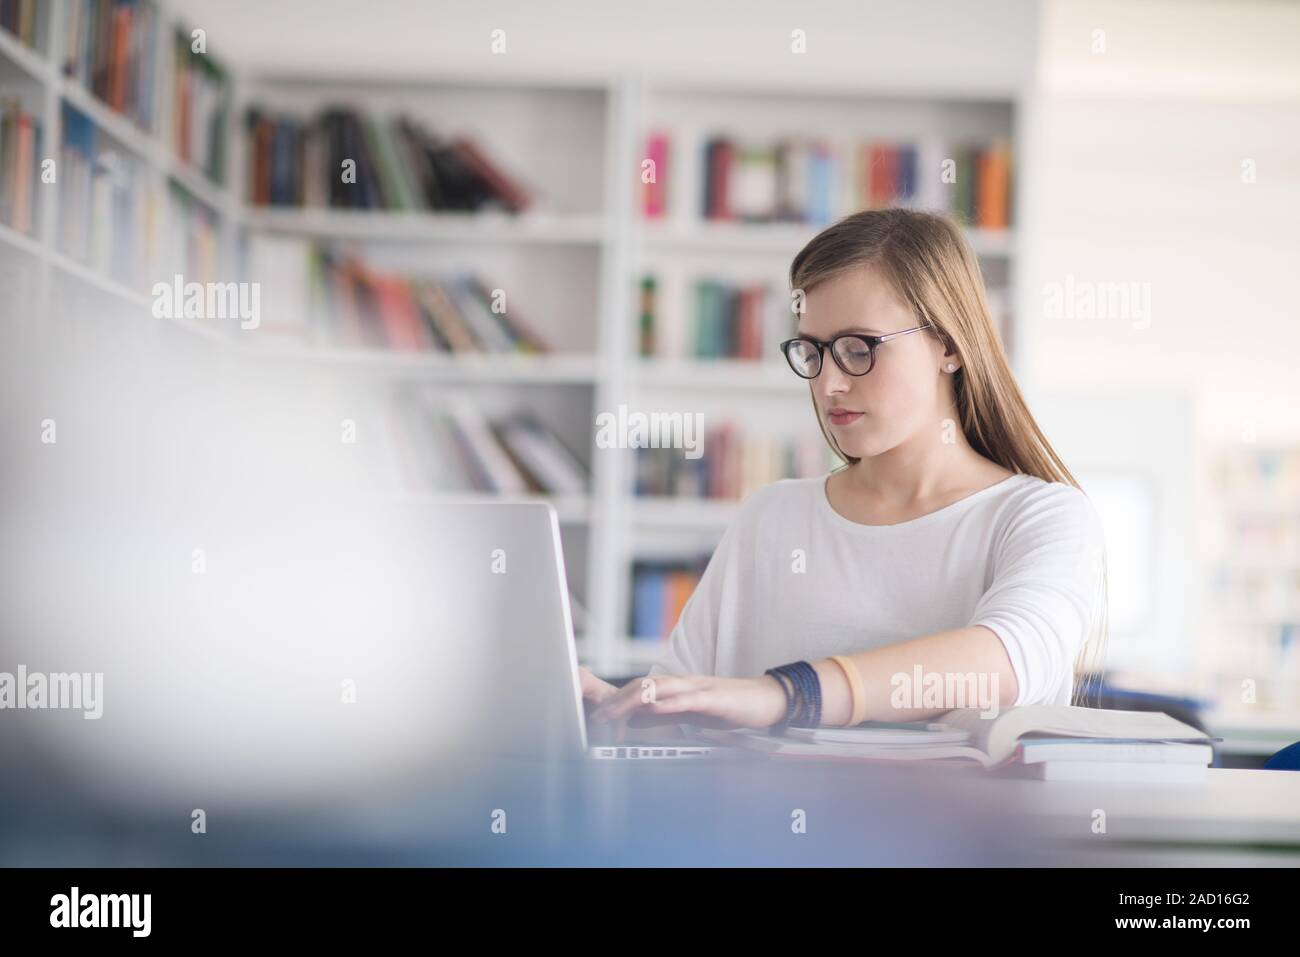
1045, 593
692, 644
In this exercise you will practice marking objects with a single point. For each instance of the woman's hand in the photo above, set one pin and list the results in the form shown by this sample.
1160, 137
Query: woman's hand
699, 699
594, 690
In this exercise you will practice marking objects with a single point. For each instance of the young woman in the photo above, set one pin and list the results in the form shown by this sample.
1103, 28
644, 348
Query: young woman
954, 546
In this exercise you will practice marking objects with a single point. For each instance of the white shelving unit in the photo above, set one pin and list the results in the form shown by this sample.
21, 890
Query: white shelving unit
35, 75
582, 252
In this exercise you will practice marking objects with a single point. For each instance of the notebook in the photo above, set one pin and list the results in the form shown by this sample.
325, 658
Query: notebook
1035, 734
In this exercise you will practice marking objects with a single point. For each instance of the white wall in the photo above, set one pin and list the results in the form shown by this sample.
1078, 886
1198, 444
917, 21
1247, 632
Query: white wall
1136, 158
881, 44
1133, 160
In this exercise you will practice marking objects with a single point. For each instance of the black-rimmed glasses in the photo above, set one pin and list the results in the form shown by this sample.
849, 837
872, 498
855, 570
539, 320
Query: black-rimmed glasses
854, 352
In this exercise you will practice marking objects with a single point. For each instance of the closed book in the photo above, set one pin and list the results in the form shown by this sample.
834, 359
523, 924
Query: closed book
654, 197
500, 471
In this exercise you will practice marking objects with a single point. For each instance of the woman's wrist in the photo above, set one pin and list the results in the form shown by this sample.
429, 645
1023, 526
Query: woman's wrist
775, 699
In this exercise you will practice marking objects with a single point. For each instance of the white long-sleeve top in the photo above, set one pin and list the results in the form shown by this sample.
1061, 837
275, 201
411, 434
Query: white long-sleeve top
793, 579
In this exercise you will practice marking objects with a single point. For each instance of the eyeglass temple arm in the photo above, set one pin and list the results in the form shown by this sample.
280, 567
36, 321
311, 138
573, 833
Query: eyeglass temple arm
901, 332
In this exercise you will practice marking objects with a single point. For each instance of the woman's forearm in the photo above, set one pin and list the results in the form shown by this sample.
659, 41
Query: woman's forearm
970, 660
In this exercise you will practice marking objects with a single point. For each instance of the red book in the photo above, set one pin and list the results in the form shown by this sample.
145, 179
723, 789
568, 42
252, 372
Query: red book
721, 155
655, 196
403, 325
22, 218
880, 193
262, 161
117, 60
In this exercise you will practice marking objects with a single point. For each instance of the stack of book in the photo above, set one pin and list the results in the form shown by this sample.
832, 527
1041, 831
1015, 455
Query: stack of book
659, 593
815, 182
730, 321
111, 51
732, 464
348, 160
450, 445
359, 306
106, 207
20, 150
19, 18
1039, 741
200, 101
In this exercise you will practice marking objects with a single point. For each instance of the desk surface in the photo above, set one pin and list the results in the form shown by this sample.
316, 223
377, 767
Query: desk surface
743, 809
1232, 806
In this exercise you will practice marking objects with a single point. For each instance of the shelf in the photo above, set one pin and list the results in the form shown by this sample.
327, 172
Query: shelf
27, 60
428, 227
626, 656
777, 238
439, 367
197, 183
97, 280
708, 374
570, 509
662, 511
20, 241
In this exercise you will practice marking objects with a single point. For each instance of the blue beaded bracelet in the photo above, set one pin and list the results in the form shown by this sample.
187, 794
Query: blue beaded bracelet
803, 696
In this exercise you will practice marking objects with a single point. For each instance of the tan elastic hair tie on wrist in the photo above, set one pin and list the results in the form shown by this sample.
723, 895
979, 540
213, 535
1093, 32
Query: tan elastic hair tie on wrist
859, 693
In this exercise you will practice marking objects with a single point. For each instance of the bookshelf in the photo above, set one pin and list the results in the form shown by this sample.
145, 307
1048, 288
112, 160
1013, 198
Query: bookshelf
35, 75
1254, 552
574, 259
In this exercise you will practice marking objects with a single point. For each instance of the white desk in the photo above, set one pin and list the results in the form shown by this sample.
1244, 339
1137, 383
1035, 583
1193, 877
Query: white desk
1243, 815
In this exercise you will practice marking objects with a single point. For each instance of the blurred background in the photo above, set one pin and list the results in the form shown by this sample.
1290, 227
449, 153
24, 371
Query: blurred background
489, 223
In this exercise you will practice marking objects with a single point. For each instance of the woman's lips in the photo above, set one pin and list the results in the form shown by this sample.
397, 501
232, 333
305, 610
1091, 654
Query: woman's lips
843, 418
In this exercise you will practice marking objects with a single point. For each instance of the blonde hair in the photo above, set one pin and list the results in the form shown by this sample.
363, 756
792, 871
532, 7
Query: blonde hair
929, 264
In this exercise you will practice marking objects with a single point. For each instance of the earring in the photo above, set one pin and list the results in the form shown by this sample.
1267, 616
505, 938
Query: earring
951, 366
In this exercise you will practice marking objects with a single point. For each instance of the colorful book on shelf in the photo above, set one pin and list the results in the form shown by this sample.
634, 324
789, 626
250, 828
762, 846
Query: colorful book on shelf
200, 107
660, 590
729, 321
805, 180
495, 468
20, 145
110, 51
544, 461
19, 18
450, 444
392, 164
106, 204
732, 464
459, 313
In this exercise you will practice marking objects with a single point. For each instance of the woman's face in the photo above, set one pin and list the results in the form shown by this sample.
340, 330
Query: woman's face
903, 394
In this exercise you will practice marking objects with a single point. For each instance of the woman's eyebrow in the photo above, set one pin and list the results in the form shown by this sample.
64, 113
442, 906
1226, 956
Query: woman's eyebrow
839, 332
866, 329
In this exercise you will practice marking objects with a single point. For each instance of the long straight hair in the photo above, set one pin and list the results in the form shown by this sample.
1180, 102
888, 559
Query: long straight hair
929, 264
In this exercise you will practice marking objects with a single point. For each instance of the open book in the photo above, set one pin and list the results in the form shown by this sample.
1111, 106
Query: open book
1015, 735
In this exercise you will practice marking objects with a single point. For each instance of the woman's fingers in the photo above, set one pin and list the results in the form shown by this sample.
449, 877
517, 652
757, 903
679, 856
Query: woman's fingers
594, 689
642, 692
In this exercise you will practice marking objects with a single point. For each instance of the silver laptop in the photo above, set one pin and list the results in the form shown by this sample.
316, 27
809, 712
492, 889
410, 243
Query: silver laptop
293, 651
501, 583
